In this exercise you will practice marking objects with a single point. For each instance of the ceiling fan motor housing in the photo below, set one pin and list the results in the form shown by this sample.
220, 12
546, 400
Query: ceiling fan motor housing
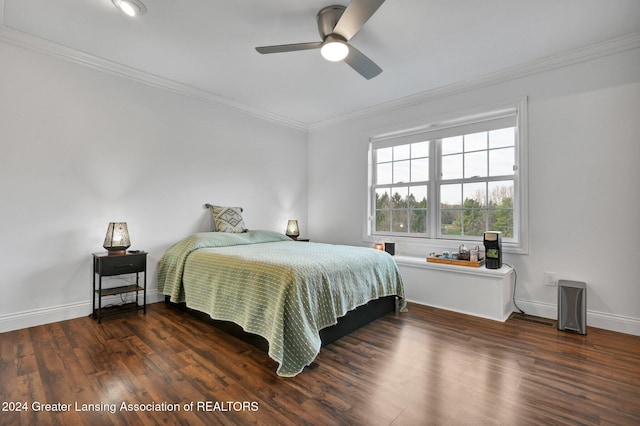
327, 18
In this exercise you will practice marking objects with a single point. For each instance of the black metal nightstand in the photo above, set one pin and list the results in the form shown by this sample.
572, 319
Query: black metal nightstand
105, 265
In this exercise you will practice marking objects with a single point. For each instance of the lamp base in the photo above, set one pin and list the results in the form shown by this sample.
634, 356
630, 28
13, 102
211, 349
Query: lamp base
116, 252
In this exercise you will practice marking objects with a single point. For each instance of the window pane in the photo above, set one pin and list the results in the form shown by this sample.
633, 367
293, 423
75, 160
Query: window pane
382, 198
401, 171
383, 221
418, 222
384, 154
476, 192
501, 194
501, 220
452, 145
451, 222
420, 149
399, 197
401, 152
502, 137
475, 141
450, 196
420, 170
501, 216
452, 167
418, 197
399, 221
383, 173
474, 220
501, 161
475, 164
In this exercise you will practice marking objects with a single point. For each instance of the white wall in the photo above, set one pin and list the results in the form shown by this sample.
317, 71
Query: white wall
583, 181
81, 148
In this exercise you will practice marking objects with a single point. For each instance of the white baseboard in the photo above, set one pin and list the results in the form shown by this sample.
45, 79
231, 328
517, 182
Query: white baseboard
17, 321
596, 319
49, 315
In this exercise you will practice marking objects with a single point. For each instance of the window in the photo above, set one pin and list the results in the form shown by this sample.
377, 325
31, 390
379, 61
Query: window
401, 188
452, 180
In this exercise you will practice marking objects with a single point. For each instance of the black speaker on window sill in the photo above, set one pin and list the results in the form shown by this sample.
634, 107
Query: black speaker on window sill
390, 248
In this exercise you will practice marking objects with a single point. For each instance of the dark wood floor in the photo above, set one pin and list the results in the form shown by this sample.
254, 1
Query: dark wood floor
427, 366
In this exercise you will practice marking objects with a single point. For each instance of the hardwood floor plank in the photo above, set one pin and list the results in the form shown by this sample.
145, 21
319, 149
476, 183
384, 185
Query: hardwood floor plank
427, 366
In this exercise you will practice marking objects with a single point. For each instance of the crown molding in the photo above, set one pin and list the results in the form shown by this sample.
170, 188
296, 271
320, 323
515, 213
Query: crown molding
30, 42
565, 59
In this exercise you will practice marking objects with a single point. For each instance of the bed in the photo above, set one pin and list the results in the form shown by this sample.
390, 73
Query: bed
285, 291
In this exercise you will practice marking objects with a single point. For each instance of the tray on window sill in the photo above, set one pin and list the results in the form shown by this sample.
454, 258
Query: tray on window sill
438, 259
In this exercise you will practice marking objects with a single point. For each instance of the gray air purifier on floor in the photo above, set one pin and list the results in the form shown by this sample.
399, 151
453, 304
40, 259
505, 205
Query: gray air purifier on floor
572, 306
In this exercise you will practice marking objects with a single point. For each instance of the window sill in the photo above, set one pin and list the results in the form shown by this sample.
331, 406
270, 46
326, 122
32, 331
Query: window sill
420, 262
414, 247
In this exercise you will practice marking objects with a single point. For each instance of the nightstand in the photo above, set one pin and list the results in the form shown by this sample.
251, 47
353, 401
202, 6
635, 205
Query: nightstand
302, 240
105, 265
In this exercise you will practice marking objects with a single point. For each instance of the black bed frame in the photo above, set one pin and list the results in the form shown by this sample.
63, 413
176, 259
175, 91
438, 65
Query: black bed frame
353, 320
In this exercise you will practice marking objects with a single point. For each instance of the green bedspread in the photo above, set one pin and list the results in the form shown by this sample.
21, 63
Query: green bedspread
282, 290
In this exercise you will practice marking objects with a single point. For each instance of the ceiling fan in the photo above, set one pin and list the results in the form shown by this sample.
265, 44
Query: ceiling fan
337, 25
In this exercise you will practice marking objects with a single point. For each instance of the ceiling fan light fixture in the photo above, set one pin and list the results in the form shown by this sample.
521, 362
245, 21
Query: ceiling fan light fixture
334, 50
131, 7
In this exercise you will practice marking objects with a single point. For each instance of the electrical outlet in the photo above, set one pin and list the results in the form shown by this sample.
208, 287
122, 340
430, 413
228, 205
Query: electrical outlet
550, 279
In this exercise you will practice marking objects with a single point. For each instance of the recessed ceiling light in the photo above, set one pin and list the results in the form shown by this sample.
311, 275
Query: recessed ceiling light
131, 7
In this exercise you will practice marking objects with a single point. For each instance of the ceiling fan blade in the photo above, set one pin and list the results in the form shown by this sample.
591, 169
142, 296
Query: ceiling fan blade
355, 15
289, 47
363, 65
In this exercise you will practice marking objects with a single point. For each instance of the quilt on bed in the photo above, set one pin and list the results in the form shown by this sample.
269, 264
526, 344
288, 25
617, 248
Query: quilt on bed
282, 290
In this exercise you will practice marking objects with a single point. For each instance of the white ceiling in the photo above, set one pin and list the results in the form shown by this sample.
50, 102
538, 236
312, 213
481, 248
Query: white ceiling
422, 45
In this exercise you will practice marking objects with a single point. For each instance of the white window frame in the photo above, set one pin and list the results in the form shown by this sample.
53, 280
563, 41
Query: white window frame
460, 123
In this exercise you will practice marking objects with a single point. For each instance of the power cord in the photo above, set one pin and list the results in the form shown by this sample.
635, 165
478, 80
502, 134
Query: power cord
515, 282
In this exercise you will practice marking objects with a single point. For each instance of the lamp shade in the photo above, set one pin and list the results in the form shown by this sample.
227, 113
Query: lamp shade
292, 229
117, 239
